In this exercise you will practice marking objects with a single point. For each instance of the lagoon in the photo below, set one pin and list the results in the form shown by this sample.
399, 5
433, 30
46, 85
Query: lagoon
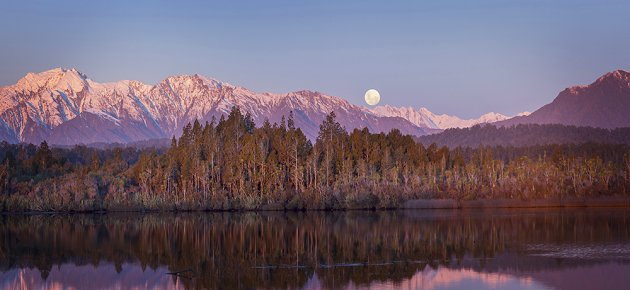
563, 248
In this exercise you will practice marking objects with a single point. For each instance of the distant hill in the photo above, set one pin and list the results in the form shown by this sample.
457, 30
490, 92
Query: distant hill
526, 135
603, 104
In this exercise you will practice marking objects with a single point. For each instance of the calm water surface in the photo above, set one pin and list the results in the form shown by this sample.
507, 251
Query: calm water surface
469, 249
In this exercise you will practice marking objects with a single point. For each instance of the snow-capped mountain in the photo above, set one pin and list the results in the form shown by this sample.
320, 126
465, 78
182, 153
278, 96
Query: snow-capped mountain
64, 107
425, 118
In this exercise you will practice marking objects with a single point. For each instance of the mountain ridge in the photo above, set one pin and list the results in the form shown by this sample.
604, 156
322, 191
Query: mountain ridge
423, 117
65, 107
604, 103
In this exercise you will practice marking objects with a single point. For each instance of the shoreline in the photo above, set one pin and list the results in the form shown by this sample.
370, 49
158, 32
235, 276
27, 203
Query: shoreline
414, 204
511, 203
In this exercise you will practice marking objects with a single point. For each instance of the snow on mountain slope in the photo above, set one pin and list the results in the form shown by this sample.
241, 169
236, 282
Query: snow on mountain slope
425, 118
64, 107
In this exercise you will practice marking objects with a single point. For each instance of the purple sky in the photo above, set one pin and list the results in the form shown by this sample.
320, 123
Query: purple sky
457, 57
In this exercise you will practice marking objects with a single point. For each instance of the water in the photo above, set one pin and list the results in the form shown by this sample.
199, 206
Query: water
431, 249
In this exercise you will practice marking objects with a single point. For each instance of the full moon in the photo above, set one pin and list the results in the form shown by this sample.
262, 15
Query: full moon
372, 97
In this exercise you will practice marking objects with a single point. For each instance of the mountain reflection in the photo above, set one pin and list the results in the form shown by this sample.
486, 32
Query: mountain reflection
134, 277
70, 276
517, 249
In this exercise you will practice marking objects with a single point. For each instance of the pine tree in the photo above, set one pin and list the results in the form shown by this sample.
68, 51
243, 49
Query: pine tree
43, 156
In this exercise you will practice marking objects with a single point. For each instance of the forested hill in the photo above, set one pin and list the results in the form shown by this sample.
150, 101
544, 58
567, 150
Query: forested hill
526, 135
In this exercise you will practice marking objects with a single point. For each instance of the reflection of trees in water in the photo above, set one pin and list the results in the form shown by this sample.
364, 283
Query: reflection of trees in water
223, 248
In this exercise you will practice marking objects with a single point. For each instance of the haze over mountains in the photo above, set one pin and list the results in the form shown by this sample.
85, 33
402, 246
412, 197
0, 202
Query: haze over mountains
65, 107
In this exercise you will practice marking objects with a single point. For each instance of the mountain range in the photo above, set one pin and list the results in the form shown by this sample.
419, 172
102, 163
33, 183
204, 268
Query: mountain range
65, 107
427, 119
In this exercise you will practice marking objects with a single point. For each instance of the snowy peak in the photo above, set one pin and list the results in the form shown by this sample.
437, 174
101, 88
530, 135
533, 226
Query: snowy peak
421, 117
65, 107
425, 118
491, 117
57, 78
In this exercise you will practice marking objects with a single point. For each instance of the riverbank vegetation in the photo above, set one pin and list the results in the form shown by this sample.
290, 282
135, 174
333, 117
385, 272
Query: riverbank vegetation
232, 164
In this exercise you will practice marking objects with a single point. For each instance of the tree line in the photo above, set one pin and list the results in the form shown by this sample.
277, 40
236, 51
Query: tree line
526, 135
233, 164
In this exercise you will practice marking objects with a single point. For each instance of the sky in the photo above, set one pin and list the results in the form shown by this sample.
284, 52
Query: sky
460, 57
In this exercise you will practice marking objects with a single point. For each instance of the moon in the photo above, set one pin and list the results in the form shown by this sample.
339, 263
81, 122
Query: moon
372, 97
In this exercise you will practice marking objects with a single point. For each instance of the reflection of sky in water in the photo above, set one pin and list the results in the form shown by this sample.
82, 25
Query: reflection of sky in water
104, 276
133, 277
445, 278
68, 276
